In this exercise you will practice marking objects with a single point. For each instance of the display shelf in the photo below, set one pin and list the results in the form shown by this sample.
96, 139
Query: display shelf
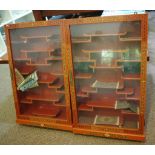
24, 69
57, 71
18, 42
38, 50
135, 96
38, 64
50, 112
21, 57
126, 91
46, 95
84, 107
130, 37
25, 101
106, 85
133, 124
57, 84
83, 76
107, 101
81, 39
46, 78
102, 50
82, 94
129, 113
56, 58
60, 104
101, 34
121, 60
88, 89
60, 91
83, 59
36, 37
104, 66
131, 77
45, 110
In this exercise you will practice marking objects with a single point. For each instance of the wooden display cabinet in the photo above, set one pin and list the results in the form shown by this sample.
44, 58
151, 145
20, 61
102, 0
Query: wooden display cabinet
107, 66
100, 62
40, 47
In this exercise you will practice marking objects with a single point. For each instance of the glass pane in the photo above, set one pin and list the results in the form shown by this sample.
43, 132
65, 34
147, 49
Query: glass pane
107, 60
39, 72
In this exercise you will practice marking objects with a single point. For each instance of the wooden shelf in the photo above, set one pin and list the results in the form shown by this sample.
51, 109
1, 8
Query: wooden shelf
83, 59
101, 50
49, 112
84, 107
88, 89
54, 97
106, 67
57, 71
106, 101
60, 91
83, 76
38, 50
57, 85
26, 69
135, 96
46, 78
60, 104
45, 110
35, 64
100, 34
54, 58
128, 112
25, 101
22, 59
82, 94
131, 77
130, 39
126, 91
128, 60
81, 39
18, 42
110, 85
35, 37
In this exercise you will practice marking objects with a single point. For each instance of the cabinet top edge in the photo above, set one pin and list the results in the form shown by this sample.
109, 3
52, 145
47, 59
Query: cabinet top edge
88, 20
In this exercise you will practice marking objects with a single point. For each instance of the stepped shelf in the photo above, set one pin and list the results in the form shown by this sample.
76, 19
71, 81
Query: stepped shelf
131, 77
83, 75
46, 78
81, 39
101, 34
126, 91
102, 50
84, 107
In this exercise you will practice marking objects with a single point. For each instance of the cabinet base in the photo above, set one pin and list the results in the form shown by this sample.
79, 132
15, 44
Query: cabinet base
66, 127
135, 137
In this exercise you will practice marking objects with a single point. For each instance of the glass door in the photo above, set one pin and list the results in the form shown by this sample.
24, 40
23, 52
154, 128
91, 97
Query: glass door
39, 68
107, 68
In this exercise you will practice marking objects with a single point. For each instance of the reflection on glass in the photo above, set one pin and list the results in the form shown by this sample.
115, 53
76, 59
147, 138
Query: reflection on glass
107, 60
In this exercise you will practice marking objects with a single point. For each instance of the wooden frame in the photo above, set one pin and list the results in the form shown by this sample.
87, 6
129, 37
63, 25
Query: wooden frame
105, 131
35, 120
112, 132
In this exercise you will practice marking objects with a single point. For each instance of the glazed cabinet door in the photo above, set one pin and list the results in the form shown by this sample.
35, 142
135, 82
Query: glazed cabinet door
39, 73
109, 68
